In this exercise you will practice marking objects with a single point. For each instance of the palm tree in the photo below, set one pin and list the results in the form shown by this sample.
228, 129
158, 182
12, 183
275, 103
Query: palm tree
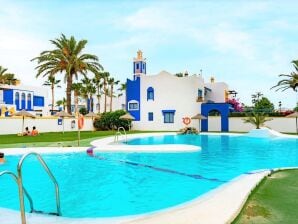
257, 119
256, 97
67, 57
62, 103
112, 82
122, 89
52, 82
89, 90
98, 84
7, 78
77, 89
105, 76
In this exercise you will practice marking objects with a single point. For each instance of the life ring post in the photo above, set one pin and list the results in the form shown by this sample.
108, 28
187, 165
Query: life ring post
186, 120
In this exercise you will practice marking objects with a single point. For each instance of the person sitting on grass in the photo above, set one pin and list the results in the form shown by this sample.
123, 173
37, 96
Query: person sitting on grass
27, 132
2, 160
34, 131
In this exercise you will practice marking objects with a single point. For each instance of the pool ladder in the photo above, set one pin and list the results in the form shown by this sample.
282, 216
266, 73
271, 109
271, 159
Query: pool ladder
23, 191
119, 133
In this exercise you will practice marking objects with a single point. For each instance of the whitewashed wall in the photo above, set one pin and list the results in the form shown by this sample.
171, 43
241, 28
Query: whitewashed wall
280, 124
170, 93
14, 125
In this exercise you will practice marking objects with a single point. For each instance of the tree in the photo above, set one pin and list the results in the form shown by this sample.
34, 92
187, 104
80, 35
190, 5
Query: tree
112, 82
88, 89
122, 89
290, 81
7, 78
105, 76
264, 105
67, 57
77, 90
61, 103
179, 74
52, 82
257, 119
256, 97
98, 85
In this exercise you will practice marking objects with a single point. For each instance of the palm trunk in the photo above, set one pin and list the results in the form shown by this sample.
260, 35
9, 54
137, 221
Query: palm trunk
68, 93
105, 91
111, 98
98, 99
53, 100
90, 103
76, 102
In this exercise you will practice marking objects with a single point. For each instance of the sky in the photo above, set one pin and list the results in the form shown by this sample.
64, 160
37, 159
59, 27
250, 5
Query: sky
246, 44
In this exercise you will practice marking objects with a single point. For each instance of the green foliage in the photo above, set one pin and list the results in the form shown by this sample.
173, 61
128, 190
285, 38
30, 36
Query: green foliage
264, 105
188, 130
83, 110
111, 120
257, 119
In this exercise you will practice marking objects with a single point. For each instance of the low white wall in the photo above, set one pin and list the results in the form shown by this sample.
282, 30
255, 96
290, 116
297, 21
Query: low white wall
280, 124
14, 125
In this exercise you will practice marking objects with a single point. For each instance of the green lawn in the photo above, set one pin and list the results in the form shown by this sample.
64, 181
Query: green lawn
275, 200
55, 139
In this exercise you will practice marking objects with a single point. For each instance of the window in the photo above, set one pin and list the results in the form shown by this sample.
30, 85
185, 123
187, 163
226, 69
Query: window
17, 96
133, 105
168, 116
200, 93
23, 96
137, 66
38, 101
150, 116
29, 97
150, 93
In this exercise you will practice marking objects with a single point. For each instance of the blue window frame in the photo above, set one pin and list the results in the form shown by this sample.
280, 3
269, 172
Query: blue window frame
133, 106
137, 66
168, 116
150, 116
200, 93
38, 101
150, 93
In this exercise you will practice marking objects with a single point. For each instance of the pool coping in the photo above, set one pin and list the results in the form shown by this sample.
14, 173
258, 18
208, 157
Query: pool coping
220, 205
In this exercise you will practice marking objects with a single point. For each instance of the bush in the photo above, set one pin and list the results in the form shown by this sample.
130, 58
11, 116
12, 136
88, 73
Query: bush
111, 121
188, 130
83, 110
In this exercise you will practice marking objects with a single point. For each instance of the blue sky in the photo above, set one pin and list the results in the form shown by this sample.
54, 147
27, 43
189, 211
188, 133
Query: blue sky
243, 43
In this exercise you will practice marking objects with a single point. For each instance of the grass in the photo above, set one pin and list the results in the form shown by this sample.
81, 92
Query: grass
274, 200
55, 139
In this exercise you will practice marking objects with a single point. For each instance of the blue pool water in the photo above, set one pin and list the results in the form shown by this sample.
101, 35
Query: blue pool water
116, 184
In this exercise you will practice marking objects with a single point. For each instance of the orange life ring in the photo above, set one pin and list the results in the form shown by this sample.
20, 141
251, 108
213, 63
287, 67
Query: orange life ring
81, 122
186, 120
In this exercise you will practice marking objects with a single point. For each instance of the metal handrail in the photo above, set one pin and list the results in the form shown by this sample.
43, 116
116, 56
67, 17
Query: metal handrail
119, 133
20, 183
26, 193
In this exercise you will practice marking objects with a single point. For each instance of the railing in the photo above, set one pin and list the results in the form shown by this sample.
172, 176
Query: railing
118, 133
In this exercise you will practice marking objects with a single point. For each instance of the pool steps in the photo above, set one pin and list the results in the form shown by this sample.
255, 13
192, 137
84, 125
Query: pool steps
19, 180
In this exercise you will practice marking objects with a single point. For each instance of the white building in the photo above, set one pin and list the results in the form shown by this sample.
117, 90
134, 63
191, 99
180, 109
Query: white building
18, 97
160, 102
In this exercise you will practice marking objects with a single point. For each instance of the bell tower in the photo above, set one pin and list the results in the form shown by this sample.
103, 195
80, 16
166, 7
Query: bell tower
139, 65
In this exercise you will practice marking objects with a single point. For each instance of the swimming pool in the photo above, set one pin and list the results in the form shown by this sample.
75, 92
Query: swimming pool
116, 184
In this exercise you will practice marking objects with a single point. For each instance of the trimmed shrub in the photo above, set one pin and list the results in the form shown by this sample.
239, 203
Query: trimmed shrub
111, 121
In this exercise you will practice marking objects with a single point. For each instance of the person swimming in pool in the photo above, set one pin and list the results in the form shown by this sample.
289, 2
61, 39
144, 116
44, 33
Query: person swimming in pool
2, 160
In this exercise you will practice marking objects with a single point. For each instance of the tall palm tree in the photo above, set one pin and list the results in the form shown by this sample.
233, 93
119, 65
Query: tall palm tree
256, 97
105, 76
122, 89
61, 103
89, 90
6, 77
77, 89
112, 82
67, 57
98, 84
52, 82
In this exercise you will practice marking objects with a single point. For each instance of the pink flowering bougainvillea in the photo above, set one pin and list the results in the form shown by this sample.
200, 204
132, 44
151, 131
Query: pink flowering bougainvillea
235, 103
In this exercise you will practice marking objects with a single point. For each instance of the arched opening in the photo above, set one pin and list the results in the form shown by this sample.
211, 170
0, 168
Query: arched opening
23, 101
17, 100
29, 100
150, 93
214, 120
218, 108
